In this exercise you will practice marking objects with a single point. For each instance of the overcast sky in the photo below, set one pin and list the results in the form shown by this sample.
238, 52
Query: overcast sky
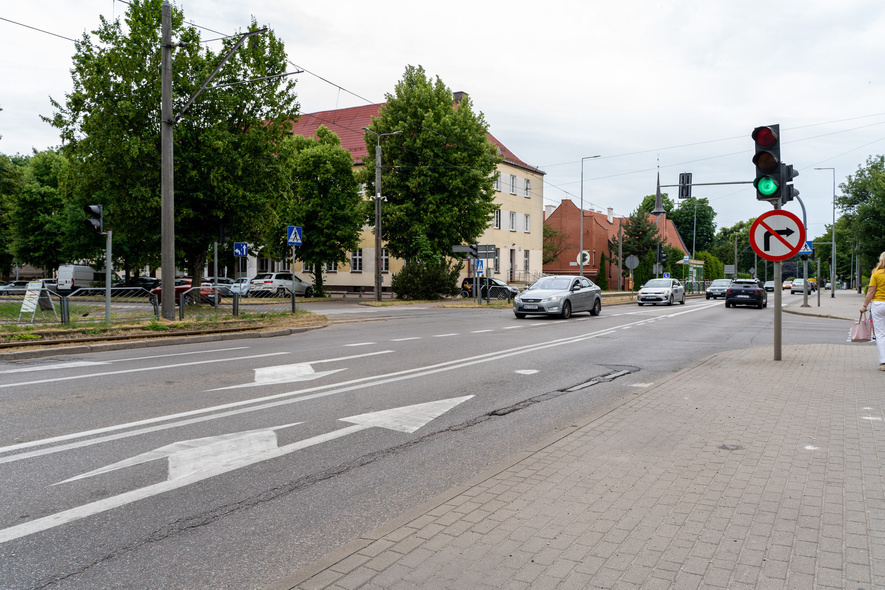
644, 84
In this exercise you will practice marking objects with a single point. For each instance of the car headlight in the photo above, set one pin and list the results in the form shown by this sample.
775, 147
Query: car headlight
554, 298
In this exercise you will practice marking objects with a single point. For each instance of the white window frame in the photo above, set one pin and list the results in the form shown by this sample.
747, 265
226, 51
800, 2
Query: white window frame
498, 181
305, 267
527, 190
330, 267
356, 260
528, 223
512, 184
497, 260
526, 255
385, 260
497, 222
513, 221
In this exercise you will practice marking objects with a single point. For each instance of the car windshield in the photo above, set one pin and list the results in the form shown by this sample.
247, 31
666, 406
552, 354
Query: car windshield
721, 283
557, 283
656, 283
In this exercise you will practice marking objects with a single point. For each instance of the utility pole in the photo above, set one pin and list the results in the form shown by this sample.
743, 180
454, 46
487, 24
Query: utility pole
167, 193
378, 199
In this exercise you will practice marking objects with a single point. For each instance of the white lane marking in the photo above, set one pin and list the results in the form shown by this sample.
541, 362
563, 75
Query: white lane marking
272, 401
641, 384
142, 369
59, 366
526, 371
539, 324
811, 448
162, 356
443, 335
187, 460
361, 344
512, 327
873, 418
480, 331
404, 339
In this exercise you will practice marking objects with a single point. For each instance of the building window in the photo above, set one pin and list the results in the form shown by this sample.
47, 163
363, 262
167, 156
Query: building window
330, 267
385, 260
525, 260
356, 260
308, 268
528, 223
497, 219
497, 181
513, 221
497, 260
512, 184
527, 191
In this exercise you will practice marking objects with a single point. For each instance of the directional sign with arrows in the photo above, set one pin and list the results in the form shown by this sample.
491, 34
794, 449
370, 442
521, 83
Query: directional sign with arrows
777, 235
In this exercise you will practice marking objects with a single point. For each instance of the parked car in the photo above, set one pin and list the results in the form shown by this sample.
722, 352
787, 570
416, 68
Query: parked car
224, 285
184, 289
798, 286
769, 286
717, 288
661, 291
489, 287
14, 286
279, 284
241, 286
559, 295
828, 286
746, 292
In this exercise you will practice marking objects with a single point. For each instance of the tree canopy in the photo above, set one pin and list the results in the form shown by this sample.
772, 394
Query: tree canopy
228, 173
437, 171
684, 219
863, 199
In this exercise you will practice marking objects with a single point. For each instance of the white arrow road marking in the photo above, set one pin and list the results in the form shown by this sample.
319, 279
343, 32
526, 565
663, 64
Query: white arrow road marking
185, 459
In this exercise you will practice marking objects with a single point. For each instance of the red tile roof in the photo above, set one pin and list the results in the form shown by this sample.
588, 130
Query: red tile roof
348, 125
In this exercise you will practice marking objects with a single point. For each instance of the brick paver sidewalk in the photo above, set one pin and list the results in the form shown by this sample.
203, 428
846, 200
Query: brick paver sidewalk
740, 472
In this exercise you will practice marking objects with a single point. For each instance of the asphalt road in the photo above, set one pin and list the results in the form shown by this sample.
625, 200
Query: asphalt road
229, 465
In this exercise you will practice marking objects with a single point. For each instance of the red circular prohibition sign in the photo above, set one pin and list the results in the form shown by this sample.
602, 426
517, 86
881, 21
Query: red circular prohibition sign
777, 235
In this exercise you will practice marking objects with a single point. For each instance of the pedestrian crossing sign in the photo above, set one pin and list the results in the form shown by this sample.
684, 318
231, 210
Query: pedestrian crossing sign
294, 235
807, 248
479, 268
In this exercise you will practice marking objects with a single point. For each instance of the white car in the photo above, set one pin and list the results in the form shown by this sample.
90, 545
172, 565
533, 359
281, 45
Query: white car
280, 284
661, 291
241, 286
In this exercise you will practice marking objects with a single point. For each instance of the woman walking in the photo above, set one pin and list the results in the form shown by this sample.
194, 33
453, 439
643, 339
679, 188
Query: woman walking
875, 302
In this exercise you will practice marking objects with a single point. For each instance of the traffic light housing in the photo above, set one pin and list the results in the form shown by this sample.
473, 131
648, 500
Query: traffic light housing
663, 254
685, 185
768, 163
474, 251
95, 217
788, 191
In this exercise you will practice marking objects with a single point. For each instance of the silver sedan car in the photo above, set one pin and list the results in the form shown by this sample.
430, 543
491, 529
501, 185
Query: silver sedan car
559, 295
661, 291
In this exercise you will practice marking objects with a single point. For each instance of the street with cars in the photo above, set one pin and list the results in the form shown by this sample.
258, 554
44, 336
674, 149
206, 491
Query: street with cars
234, 463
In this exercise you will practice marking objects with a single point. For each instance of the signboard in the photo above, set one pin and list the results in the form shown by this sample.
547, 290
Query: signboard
293, 234
631, 262
777, 235
584, 257
666, 275
808, 248
36, 297
479, 266
241, 249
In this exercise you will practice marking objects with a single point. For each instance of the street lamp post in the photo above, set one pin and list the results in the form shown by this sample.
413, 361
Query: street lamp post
833, 237
581, 240
378, 209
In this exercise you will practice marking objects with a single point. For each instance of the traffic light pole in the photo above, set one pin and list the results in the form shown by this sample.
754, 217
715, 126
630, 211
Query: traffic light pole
107, 278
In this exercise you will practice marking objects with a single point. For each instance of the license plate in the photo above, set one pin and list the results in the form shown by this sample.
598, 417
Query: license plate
530, 307
743, 296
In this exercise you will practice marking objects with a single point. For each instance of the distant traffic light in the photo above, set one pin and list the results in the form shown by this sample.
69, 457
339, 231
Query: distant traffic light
95, 221
768, 162
685, 185
663, 254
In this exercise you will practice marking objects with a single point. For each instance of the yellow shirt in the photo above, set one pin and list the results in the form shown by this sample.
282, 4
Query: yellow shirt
878, 281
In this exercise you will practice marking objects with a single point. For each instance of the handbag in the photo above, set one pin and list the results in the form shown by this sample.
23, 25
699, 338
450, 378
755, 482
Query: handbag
862, 330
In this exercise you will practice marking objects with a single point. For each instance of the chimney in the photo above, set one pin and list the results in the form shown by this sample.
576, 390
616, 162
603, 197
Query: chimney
610, 216
548, 210
459, 96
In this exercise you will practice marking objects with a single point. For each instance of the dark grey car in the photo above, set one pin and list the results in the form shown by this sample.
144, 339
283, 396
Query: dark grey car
559, 295
718, 288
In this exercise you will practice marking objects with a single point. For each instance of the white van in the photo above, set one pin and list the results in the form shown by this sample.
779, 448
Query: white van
76, 276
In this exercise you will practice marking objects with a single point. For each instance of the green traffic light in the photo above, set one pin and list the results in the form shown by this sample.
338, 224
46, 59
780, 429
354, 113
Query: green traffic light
766, 185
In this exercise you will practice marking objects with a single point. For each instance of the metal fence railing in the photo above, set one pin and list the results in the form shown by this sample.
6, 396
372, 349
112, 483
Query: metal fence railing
130, 304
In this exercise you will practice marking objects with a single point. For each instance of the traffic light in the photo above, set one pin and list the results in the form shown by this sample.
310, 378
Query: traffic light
768, 162
658, 249
788, 191
663, 254
685, 185
474, 251
95, 220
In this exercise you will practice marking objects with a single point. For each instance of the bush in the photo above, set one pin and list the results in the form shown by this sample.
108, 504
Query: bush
427, 279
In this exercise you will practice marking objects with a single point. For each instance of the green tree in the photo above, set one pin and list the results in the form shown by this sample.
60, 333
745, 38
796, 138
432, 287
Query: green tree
648, 204
713, 267
10, 187
602, 275
736, 236
437, 172
863, 199
228, 173
684, 219
640, 234
326, 202
37, 213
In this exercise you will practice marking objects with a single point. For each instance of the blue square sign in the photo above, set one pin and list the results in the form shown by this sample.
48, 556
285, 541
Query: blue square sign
241, 249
